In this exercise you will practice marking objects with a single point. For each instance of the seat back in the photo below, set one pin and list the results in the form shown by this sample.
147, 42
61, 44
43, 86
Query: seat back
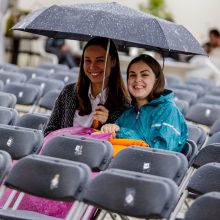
205, 179
7, 100
209, 153
8, 77
197, 134
163, 163
26, 94
205, 114
46, 84
95, 153
5, 164
20, 142
33, 120
8, 116
132, 194
215, 127
49, 177
205, 207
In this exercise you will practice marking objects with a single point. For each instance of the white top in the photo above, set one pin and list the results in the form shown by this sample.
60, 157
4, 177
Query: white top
86, 120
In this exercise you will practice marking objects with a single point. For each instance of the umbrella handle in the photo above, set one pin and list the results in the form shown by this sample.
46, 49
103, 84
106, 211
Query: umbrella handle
96, 123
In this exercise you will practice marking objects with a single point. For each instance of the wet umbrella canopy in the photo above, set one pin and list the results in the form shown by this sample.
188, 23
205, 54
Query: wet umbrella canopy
124, 25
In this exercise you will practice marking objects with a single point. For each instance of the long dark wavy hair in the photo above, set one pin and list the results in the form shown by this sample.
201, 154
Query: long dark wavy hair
159, 85
117, 93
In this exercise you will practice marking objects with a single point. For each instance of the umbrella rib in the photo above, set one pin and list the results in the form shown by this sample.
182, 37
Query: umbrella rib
162, 32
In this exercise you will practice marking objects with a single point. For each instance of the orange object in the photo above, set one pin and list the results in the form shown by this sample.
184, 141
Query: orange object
128, 142
95, 123
119, 144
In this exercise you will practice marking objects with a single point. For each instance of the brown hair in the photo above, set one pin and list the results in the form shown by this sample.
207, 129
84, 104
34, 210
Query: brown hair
117, 93
159, 85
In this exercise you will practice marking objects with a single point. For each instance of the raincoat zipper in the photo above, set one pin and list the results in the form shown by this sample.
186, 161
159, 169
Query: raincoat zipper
136, 120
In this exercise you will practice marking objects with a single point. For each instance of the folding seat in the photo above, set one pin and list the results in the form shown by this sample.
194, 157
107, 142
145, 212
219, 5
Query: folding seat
205, 179
209, 99
19, 141
53, 67
206, 207
172, 79
47, 84
190, 150
8, 116
197, 134
96, 153
5, 164
7, 100
182, 105
209, 153
45, 177
132, 194
205, 114
207, 84
163, 163
199, 90
215, 127
27, 95
32, 72
66, 77
8, 67
33, 120
48, 100
214, 91
188, 96
8, 77
214, 139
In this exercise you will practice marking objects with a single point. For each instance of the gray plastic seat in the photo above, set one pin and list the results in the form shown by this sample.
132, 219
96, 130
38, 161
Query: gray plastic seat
172, 79
208, 154
20, 142
209, 99
205, 179
95, 153
214, 139
199, 90
214, 91
172, 165
197, 134
33, 120
5, 164
66, 77
190, 150
26, 94
47, 84
32, 72
53, 67
206, 207
207, 84
8, 77
132, 194
46, 177
8, 67
182, 105
8, 116
188, 96
7, 100
215, 127
48, 100
205, 114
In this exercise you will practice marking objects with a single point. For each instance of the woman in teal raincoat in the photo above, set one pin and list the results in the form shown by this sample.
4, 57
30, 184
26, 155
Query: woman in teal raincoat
154, 116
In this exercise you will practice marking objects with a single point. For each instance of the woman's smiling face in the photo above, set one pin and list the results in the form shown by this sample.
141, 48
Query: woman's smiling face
141, 80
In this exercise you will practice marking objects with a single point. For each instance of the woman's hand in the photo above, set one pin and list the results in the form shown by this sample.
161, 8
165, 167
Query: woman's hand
110, 128
101, 114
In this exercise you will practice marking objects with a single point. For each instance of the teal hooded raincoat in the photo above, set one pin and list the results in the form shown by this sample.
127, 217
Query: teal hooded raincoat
159, 123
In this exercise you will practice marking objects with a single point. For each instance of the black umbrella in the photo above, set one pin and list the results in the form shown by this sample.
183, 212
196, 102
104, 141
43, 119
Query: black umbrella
124, 25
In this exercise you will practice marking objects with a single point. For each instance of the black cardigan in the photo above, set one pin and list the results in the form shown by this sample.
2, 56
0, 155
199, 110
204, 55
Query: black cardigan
65, 107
